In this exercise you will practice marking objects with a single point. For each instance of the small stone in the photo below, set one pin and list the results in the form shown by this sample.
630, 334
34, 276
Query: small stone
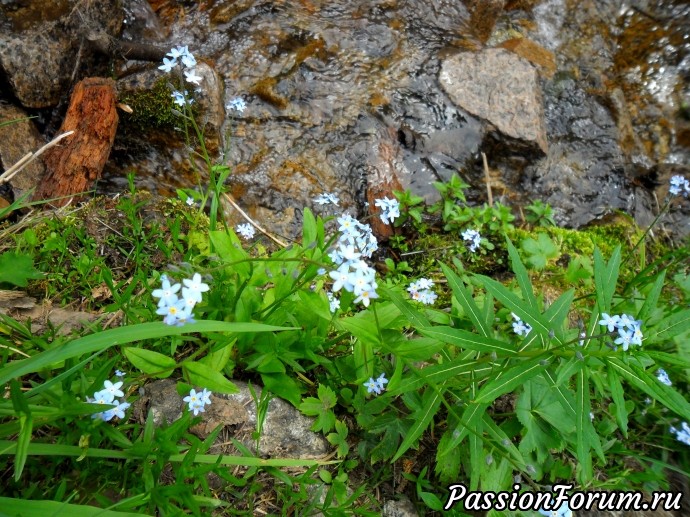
501, 88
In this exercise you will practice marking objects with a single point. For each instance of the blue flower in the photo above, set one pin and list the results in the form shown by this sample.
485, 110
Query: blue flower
390, 209
663, 377
237, 104
198, 401
679, 185
682, 435
168, 64
245, 230
474, 239
609, 321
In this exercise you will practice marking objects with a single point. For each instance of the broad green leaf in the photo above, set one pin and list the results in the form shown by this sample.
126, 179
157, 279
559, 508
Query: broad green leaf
25, 508
617, 395
536, 409
652, 297
468, 340
652, 387
512, 302
207, 377
229, 249
583, 444
17, 269
540, 251
309, 233
415, 317
150, 362
120, 336
510, 379
671, 326
606, 277
21, 408
421, 419
522, 276
218, 359
321, 409
466, 301
438, 373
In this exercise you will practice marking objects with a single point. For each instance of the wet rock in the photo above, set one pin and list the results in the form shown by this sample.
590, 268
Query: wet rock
402, 507
583, 174
40, 62
502, 89
16, 140
286, 432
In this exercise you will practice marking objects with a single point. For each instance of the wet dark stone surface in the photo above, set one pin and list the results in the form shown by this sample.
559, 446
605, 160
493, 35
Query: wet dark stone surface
343, 91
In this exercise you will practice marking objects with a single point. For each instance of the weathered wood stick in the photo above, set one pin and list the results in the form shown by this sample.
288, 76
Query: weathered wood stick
74, 166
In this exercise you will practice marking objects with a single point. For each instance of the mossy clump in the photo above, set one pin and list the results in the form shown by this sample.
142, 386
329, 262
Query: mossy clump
151, 108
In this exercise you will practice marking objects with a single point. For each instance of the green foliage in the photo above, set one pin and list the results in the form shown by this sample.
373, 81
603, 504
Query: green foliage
17, 269
539, 251
467, 400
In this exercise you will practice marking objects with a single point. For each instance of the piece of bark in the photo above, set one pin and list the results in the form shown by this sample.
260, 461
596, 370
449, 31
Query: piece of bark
382, 180
74, 165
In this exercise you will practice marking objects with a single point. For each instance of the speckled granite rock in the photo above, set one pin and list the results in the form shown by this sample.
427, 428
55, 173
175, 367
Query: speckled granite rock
501, 88
286, 432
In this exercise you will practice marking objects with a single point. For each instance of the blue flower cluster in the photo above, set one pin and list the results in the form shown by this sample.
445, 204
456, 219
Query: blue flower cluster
421, 291
237, 104
197, 402
663, 377
178, 311
107, 397
683, 434
326, 198
245, 230
629, 329
390, 209
356, 241
520, 327
473, 238
376, 385
679, 185
189, 63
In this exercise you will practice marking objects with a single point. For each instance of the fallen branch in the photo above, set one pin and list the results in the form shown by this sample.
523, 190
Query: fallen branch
29, 157
251, 221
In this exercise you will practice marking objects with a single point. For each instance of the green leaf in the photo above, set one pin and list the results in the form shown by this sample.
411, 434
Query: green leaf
229, 249
522, 277
414, 316
617, 395
468, 340
120, 336
283, 386
652, 297
509, 380
652, 387
466, 301
207, 377
321, 409
438, 373
539, 251
150, 362
582, 410
17, 269
421, 419
24, 508
671, 326
21, 408
606, 277
309, 233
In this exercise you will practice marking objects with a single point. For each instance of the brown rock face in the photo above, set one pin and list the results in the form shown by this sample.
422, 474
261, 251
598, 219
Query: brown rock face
502, 89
